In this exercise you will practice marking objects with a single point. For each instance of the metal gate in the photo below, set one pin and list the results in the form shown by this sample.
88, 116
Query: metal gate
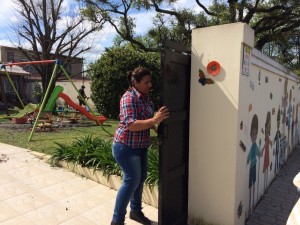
174, 135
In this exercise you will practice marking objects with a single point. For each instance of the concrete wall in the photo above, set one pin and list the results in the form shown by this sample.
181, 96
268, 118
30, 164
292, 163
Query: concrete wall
70, 90
221, 115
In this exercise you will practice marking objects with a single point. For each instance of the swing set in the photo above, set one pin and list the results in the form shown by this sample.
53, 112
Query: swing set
58, 65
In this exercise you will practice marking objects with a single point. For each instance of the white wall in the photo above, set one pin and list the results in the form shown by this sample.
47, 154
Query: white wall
68, 89
220, 119
263, 93
71, 92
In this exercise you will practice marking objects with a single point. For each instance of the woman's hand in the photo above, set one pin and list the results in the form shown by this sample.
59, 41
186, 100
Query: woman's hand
161, 115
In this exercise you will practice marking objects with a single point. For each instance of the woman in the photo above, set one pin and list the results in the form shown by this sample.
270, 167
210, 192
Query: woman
131, 141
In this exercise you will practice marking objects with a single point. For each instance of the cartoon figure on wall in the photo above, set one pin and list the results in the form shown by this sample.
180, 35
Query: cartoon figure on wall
266, 150
296, 138
251, 158
289, 120
284, 106
277, 143
293, 128
284, 141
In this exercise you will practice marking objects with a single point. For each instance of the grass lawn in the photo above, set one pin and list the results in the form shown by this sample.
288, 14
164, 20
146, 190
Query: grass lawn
44, 141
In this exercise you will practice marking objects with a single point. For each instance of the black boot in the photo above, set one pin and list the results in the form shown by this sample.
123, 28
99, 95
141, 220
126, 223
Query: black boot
139, 217
117, 223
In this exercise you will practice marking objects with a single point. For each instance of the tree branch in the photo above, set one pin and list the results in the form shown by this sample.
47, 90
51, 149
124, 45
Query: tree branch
205, 9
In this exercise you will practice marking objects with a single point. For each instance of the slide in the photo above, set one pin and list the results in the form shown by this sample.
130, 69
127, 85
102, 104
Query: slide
82, 110
30, 108
52, 100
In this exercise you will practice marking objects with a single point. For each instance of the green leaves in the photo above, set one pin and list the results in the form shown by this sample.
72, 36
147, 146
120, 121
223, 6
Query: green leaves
96, 153
109, 80
37, 91
153, 165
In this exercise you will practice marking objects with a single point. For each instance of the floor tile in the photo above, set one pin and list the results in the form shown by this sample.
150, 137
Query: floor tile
51, 214
13, 189
7, 212
103, 212
41, 180
28, 202
78, 220
60, 191
20, 220
6, 178
12, 149
25, 172
81, 202
102, 192
11, 164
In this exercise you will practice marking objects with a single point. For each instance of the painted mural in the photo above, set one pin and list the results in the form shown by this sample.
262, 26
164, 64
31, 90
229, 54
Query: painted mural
274, 131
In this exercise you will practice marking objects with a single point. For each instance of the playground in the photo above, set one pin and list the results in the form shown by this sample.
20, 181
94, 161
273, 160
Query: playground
48, 114
44, 141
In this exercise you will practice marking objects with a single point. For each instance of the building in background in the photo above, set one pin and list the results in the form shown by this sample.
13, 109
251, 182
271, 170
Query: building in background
24, 77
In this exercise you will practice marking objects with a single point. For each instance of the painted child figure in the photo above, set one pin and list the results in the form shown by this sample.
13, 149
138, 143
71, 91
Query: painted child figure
266, 150
251, 158
277, 143
284, 123
293, 128
289, 120
296, 138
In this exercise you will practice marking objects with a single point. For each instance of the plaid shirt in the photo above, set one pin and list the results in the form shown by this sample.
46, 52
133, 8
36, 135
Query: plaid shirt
134, 106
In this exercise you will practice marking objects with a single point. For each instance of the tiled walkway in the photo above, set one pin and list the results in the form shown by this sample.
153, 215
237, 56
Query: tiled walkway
33, 193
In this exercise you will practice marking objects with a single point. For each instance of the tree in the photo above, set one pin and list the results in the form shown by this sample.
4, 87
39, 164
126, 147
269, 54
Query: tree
286, 51
38, 27
272, 20
171, 24
109, 80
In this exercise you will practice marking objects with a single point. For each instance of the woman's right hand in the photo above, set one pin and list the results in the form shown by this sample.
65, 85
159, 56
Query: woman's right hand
161, 115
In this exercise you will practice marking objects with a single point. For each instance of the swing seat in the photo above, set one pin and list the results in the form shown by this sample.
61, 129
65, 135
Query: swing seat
21, 120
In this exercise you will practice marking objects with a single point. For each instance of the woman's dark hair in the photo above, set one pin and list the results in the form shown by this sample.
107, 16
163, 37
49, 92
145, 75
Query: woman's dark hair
137, 74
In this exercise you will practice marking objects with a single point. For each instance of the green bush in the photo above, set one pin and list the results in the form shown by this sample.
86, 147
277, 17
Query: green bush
96, 153
153, 166
109, 80
37, 91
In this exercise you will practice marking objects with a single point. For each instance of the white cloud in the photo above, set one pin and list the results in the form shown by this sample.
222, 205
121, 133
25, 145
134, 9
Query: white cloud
143, 21
5, 10
99, 41
7, 18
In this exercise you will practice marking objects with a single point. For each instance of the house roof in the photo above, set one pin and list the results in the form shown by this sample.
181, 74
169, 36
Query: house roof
14, 70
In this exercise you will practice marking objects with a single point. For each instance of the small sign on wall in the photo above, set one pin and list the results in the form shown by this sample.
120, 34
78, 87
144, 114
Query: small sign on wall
246, 60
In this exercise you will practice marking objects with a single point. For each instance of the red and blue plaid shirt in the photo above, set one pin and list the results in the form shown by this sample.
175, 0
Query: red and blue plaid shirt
134, 106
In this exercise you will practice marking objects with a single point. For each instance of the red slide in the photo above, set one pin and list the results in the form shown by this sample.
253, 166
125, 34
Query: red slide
82, 110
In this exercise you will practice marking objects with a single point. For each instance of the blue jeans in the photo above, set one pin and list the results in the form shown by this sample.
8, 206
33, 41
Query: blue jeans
133, 163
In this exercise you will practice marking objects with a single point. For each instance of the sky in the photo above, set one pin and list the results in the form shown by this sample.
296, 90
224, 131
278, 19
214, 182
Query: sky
99, 40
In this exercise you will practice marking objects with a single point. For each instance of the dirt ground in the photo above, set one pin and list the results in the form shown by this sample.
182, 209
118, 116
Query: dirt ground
55, 125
